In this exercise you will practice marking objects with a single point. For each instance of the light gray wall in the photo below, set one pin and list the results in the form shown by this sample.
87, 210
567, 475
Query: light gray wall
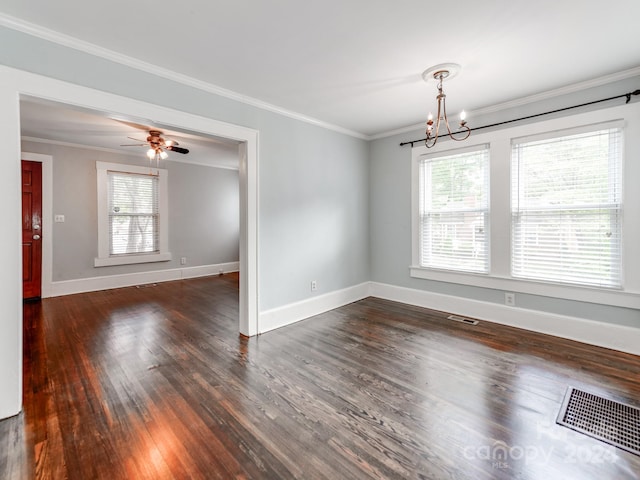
390, 214
333, 208
204, 217
204, 214
313, 183
313, 214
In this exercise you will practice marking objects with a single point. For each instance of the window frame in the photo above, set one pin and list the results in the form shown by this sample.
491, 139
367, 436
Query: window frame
617, 207
104, 258
499, 277
486, 211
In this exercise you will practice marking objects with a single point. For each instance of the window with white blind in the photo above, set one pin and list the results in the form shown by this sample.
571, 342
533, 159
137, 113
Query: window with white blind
563, 203
132, 215
566, 204
454, 210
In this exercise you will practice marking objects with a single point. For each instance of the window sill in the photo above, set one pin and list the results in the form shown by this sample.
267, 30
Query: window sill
617, 298
131, 259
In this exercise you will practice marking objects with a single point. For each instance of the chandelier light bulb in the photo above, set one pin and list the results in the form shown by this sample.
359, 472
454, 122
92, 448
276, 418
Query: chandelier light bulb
151, 153
463, 115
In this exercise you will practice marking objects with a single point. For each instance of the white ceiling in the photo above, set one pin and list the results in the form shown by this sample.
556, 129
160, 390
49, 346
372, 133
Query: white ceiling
357, 64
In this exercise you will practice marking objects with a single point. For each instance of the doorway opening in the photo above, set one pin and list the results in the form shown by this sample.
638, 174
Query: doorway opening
17, 85
224, 153
48, 126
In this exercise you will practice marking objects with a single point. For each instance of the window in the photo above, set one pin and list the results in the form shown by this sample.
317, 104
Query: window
132, 215
563, 203
454, 210
566, 203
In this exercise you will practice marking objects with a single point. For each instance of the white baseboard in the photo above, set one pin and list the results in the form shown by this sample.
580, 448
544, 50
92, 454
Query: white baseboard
294, 312
616, 337
93, 284
206, 270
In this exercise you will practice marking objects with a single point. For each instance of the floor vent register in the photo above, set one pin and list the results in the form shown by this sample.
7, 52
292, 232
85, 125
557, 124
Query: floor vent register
612, 422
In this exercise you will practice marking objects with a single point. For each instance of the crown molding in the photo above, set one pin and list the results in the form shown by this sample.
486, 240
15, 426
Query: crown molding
397, 131
566, 90
53, 36
538, 97
75, 145
175, 159
95, 50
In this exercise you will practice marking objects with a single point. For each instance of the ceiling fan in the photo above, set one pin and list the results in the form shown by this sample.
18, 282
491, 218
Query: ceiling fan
157, 145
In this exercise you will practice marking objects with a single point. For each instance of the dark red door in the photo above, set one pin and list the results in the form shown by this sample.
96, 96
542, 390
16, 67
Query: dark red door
31, 229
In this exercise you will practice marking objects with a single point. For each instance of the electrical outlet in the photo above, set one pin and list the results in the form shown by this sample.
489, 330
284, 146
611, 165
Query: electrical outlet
510, 299
183, 260
314, 286
58, 218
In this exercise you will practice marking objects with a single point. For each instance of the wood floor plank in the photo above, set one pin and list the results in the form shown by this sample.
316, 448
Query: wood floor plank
154, 382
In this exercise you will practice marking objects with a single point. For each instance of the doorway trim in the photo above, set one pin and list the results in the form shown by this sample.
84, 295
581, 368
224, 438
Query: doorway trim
47, 218
15, 84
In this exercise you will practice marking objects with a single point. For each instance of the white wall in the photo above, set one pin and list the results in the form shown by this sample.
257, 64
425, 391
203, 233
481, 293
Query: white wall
10, 259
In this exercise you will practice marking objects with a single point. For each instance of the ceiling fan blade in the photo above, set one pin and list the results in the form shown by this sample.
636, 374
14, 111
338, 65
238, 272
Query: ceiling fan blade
173, 148
136, 139
134, 145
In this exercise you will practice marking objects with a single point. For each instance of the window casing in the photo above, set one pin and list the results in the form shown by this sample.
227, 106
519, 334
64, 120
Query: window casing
454, 210
132, 215
566, 206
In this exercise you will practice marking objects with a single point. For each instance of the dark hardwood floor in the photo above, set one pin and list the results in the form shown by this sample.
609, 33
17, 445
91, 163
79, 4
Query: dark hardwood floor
155, 383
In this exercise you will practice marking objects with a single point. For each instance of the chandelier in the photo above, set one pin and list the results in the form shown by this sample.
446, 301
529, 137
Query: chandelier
439, 73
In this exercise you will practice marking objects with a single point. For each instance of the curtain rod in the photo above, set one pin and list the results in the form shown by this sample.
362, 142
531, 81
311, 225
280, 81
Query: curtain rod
627, 95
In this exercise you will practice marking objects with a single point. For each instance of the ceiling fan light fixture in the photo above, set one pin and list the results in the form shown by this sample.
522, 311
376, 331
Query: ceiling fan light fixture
159, 148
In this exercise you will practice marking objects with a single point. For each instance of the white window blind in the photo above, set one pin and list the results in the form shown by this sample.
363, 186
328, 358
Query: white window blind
566, 204
454, 211
133, 213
